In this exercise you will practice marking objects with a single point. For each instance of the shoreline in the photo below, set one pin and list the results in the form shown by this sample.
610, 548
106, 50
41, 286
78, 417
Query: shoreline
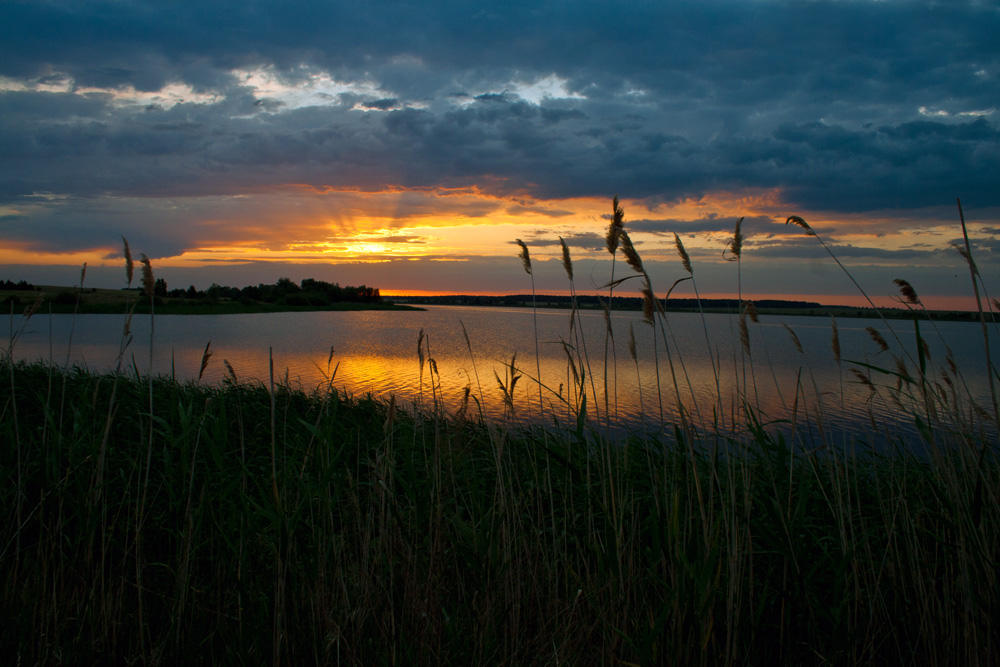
99, 301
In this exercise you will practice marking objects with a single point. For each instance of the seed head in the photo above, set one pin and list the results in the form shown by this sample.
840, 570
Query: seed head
129, 264
685, 259
835, 340
736, 244
525, 257
567, 262
616, 226
795, 339
631, 256
801, 223
647, 303
906, 289
147, 275
744, 332
877, 337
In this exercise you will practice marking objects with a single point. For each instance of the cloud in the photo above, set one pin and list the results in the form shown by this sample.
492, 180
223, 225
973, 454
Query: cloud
712, 223
188, 123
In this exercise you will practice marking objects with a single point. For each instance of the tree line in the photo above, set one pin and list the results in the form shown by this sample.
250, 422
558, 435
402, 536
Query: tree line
309, 292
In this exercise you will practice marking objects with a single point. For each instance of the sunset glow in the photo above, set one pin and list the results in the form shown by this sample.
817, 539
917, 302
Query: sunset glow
366, 155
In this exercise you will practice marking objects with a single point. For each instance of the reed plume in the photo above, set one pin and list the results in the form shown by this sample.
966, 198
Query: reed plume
795, 339
877, 337
908, 293
129, 264
748, 310
685, 258
835, 340
648, 302
567, 262
147, 276
525, 257
631, 256
613, 235
735, 245
794, 219
230, 371
204, 360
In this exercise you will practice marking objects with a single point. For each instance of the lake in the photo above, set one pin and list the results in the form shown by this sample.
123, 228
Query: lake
376, 352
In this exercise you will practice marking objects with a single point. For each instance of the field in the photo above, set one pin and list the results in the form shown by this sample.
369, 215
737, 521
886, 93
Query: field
162, 522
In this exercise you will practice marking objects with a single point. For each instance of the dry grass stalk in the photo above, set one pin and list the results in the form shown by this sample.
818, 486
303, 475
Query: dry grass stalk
835, 339
420, 349
612, 238
902, 371
230, 371
795, 339
967, 256
908, 293
648, 303
567, 262
33, 308
628, 249
877, 337
863, 379
685, 259
147, 276
749, 310
204, 360
525, 257
631, 343
735, 245
744, 332
794, 219
129, 264
390, 417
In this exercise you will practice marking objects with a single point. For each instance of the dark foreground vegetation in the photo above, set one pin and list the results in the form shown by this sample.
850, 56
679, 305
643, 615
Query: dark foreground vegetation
251, 526
159, 522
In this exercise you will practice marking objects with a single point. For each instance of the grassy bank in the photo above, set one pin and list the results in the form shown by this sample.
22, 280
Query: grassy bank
256, 526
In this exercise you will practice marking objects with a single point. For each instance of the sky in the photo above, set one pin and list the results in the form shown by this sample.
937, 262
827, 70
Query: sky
407, 145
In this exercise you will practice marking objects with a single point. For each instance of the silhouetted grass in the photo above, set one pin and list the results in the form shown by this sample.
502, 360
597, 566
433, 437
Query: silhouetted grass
254, 523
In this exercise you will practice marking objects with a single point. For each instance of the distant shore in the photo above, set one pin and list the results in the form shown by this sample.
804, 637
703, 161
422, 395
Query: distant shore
89, 300
689, 305
61, 300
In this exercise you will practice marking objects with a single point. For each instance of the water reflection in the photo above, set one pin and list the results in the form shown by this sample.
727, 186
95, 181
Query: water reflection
376, 352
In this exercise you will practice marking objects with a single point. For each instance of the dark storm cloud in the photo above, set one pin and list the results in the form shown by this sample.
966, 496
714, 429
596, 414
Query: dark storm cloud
708, 224
585, 240
845, 106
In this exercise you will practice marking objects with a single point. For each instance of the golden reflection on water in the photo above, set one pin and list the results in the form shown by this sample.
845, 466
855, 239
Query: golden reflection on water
376, 353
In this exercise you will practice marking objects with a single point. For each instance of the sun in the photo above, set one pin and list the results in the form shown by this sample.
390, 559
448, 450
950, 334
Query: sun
365, 248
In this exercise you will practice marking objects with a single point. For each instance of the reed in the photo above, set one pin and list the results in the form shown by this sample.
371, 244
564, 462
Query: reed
259, 523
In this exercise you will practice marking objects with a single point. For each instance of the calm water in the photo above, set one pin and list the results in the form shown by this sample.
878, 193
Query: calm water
376, 351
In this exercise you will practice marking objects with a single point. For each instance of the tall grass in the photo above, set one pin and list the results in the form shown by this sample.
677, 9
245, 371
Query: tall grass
172, 522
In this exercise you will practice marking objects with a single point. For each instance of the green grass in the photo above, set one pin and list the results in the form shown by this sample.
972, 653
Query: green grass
349, 531
176, 523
